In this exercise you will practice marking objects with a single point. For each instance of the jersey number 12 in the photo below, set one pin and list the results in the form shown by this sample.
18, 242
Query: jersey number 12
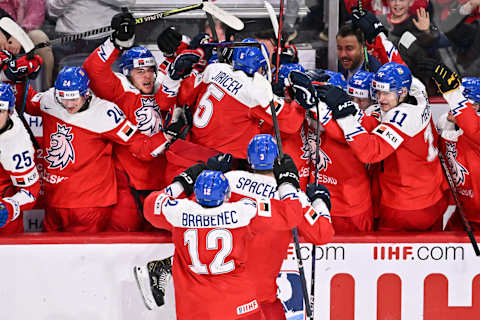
218, 265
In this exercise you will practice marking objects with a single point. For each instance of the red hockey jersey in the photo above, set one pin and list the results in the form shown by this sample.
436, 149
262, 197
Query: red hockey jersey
147, 112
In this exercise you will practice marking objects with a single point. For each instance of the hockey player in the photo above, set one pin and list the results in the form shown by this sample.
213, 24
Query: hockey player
145, 99
79, 131
200, 264
227, 97
359, 89
269, 247
460, 143
334, 163
411, 200
19, 179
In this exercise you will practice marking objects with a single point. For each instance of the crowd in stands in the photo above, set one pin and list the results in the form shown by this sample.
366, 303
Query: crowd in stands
119, 124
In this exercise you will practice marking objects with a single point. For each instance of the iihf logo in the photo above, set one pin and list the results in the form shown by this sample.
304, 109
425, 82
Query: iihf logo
149, 119
61, 150
309, 150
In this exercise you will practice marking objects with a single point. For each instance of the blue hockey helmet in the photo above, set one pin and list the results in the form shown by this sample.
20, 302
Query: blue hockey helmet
7, 97
392, 77
359, 85
283, 72
249, 59
471, 87
336, 79
136, 57
72, 83
262, 151
211, 188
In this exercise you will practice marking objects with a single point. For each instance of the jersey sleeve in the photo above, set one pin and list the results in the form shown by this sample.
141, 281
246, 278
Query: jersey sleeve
290, 115
153, 210
32, 102
467, 119
385, 51
371, 147
19, 163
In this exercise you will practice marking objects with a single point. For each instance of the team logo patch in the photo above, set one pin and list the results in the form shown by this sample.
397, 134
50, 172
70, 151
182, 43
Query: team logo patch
309, 150
264, 208
248, 307
126, 131
458, 170
148, 117
61, 150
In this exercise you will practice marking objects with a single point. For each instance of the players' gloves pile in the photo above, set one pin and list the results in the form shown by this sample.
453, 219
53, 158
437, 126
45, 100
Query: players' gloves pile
179, 128
3, 214
445, 79
188, 177
304, 93
285, 170
220, 162
368, 23
337, 101
168, 41
123, 25
319, 191
184, 63
18, 69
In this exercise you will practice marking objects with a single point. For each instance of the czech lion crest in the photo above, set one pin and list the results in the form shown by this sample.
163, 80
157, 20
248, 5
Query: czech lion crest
61, 150
149, 119
309, 148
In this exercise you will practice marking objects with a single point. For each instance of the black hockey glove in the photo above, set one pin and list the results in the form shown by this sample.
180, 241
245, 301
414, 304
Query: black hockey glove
318, 75
303, 90
168, 41
319, 191
183, 64
220, 162
285, 170
198, 41
188, 177
123, 25
24, 67
446, 79
288, 54
175, 128
368, 23
337, 101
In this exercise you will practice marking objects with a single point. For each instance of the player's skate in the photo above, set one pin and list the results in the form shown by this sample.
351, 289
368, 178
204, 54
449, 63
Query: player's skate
152, 281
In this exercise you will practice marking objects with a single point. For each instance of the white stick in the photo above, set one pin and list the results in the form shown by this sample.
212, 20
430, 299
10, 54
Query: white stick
273, 17
17, 32
222, 15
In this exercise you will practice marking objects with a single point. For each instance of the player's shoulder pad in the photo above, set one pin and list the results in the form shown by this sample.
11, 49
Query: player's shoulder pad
408, 118
101, 115
15, 146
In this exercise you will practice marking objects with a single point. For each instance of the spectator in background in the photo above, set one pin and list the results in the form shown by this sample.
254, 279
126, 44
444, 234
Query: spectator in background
459, 21
77, 16
350, 52
29, 14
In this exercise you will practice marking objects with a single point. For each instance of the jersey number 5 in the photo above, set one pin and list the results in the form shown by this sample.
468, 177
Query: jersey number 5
218, 265
204, 110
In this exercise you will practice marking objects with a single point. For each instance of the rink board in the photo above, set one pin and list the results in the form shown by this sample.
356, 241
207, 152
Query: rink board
376, 276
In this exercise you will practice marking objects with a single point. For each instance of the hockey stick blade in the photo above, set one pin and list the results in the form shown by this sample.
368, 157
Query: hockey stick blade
18, 33
222, 15
273, 16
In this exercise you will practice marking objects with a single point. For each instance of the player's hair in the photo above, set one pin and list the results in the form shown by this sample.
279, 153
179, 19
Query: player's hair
348, 29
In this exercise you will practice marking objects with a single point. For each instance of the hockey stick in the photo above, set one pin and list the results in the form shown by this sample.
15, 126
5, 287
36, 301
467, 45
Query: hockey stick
213, 29
227, 18
273, 17
365, 53
466, 225
280, 155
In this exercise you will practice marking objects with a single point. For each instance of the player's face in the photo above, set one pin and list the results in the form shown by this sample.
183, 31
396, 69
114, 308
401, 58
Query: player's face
73, 105
399, 8
363, 103
3, 118
387, 100
143, 79
349, 52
